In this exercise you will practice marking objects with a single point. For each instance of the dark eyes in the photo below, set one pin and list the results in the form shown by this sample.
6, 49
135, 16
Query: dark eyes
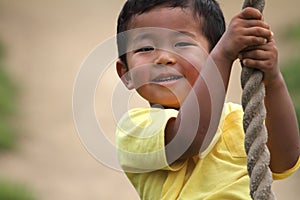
144, 49
151, 48
183, 44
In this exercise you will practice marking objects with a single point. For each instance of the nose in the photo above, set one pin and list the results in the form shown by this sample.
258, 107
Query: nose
165, 58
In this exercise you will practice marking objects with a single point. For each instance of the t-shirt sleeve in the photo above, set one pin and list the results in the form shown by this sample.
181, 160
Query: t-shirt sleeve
141, 142
287, 173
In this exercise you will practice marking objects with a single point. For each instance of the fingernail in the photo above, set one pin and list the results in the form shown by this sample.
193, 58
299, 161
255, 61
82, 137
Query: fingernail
244, 62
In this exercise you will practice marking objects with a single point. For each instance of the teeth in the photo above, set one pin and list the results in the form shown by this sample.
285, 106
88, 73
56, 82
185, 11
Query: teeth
165, 79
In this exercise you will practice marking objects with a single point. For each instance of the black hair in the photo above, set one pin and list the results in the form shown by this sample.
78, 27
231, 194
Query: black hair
213, 25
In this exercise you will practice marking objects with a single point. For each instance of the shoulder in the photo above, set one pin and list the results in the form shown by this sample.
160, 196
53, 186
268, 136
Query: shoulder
232, 114
232, 117
143, 124
140, 139
144, 117
232, 130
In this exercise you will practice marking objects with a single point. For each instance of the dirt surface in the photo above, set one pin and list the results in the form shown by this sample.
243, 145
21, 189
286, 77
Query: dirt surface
46, 43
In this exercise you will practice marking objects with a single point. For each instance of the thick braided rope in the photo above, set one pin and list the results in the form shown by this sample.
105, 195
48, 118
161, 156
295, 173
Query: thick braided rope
256, 134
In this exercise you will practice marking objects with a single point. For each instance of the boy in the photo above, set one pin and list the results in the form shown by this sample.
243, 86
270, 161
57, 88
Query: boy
188, 144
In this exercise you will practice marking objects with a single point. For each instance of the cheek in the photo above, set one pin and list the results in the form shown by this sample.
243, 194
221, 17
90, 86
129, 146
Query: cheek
140, 69
193, 65
192, 69
192, 76
140, 75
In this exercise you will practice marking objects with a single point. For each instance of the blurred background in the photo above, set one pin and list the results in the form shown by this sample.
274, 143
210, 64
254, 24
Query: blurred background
42, 46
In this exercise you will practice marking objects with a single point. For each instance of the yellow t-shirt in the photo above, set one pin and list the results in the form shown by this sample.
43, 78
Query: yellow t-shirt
219, 172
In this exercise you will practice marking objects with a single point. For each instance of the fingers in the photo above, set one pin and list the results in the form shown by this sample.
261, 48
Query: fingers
259, 37
257, 32
255, 62
251, 13
263, 57
269, 46
245, 32
250, 25
252, 40
255, 23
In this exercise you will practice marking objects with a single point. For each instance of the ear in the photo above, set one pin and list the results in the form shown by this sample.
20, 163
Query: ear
124, 74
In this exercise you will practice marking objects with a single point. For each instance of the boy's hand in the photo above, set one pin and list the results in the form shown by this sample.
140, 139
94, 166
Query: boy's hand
246, 30
265, 58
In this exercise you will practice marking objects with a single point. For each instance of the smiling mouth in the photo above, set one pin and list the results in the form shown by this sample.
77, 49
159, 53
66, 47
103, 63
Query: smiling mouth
166, 79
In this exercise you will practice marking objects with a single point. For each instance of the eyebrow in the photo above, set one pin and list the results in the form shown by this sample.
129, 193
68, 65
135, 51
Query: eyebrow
186, 33
142, 36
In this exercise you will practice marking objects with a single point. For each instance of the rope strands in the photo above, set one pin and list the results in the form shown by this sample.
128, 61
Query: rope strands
258, 4
256, 133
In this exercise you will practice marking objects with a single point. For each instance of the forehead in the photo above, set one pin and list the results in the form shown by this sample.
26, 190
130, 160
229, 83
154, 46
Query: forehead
177, 19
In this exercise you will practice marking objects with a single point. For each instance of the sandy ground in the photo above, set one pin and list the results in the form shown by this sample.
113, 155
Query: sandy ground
46, 43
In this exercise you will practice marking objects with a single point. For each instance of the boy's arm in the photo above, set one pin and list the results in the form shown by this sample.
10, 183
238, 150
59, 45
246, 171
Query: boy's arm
281, 121
200, 112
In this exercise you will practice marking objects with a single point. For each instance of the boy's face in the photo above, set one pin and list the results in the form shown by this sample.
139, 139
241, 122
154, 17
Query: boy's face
166, 51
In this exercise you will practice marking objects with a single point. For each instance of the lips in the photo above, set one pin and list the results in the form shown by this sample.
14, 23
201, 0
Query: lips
167, 78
